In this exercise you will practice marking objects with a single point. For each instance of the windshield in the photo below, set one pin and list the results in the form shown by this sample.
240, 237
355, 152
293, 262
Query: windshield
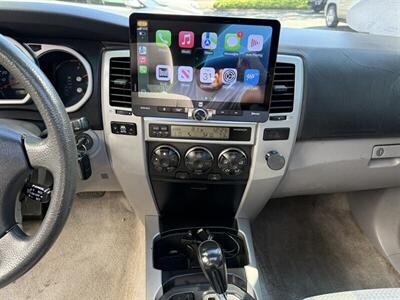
366, 16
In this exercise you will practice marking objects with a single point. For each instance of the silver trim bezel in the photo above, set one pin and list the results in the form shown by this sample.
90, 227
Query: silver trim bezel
47, 48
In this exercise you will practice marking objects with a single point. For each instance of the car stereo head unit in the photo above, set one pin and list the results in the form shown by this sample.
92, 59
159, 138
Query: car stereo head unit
202, 67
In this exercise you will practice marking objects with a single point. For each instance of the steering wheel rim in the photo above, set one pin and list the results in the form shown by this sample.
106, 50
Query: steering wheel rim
20, 151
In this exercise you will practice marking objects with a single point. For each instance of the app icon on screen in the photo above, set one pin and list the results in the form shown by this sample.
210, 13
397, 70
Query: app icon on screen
229, 76
163, 37
185, 74
163, 72
209, 40
143, 69
143, 60
142, 50
207, 75
251, 76
255, 42
232, 42
186, 39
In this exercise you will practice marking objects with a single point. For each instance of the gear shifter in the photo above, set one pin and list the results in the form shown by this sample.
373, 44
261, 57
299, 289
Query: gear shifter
212, 262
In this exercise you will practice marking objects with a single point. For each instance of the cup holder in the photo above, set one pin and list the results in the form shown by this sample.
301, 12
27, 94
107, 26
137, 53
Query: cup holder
177, 251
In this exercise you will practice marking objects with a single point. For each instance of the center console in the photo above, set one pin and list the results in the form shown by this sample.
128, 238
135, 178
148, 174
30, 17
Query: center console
201, 84
198, 146
198, 171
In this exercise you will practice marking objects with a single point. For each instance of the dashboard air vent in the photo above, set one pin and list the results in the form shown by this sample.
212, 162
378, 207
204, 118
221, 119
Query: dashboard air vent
120, 82
283, 88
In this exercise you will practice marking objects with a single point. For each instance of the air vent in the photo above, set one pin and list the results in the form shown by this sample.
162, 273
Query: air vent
283, 88
120, 82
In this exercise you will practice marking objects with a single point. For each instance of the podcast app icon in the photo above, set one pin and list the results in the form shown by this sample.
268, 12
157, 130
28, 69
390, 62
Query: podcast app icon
186, 39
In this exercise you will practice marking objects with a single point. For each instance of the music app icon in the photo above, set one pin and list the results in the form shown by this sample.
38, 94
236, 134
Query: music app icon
186, 39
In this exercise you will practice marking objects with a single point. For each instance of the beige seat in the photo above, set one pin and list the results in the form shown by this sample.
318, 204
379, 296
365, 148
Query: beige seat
376, 294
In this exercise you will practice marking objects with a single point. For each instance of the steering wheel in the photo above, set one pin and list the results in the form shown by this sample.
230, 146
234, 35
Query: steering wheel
20, 151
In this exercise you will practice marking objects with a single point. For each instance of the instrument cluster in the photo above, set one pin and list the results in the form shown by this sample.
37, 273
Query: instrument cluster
68, 71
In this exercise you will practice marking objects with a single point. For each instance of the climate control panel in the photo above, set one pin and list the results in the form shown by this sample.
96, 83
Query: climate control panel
211, 162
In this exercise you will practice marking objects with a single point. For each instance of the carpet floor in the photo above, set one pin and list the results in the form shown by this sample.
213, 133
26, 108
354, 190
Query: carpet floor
307, 246
99, 255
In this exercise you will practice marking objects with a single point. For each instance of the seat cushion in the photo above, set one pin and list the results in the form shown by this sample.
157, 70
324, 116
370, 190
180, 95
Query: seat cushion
376, 294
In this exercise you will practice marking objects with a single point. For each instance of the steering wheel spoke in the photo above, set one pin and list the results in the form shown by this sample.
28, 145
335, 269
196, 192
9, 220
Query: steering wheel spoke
39, 152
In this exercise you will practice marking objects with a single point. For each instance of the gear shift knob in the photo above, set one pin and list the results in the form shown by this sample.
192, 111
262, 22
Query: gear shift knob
212, 262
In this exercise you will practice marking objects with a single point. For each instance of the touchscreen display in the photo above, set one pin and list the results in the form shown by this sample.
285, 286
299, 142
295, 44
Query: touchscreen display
180, 62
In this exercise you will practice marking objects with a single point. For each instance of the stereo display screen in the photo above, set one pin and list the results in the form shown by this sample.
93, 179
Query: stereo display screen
201, 132
222, 63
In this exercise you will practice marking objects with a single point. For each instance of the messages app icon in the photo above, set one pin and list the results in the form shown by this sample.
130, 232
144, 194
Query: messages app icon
232, 42
163, 37
209, 40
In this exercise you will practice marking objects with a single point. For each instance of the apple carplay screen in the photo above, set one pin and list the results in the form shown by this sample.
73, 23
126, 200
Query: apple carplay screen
212, 62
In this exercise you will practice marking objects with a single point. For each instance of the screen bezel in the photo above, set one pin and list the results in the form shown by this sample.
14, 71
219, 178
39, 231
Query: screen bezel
274, 24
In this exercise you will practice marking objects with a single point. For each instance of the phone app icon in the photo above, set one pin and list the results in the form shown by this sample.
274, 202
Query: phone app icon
255, 42
143, 60
185, 74
163, 72
142, 50
163, 37
186, 39
143, 69
232, 42
209, 40
251, 76
207, 75
229, 76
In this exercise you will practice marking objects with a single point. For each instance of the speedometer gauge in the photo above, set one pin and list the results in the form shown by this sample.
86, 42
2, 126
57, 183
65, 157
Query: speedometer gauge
69, 72
10, 88
71, 80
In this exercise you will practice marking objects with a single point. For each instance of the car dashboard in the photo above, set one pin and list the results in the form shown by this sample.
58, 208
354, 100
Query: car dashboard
332, 125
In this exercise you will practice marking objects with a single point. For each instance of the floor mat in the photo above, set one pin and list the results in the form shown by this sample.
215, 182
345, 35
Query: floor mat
307, 246
99, 255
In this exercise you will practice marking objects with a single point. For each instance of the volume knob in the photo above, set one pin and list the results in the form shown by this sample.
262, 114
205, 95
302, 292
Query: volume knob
275, 160
200, 114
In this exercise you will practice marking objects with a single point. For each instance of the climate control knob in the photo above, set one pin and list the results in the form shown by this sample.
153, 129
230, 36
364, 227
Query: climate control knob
199, 160
165, 159
232, 161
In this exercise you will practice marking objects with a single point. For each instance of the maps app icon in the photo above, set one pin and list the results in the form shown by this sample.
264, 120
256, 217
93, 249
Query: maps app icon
209, 40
